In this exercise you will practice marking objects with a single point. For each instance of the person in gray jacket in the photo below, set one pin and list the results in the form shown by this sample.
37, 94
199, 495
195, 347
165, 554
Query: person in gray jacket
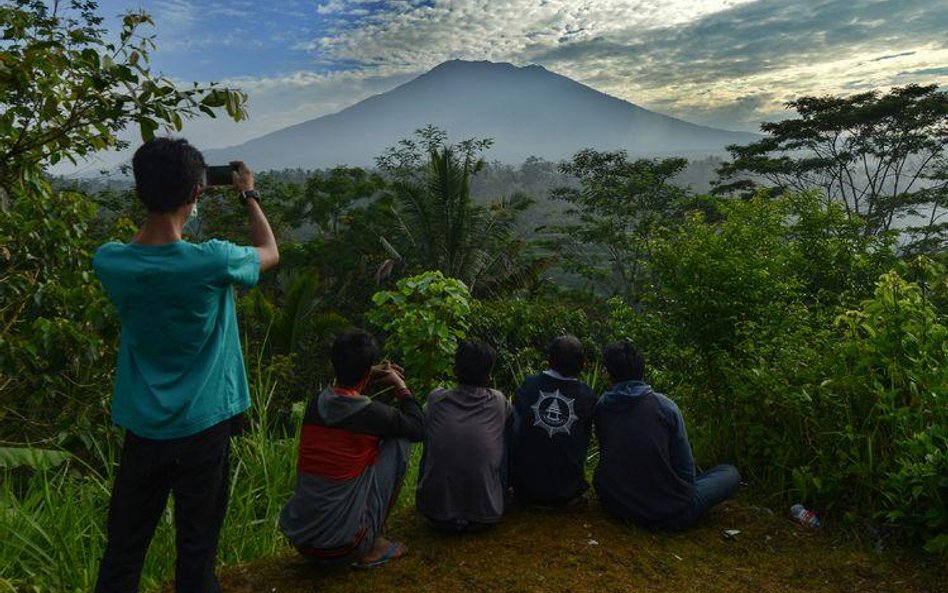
463, 477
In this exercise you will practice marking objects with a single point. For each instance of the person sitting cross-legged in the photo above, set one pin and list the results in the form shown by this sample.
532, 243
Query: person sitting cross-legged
553, 412
462, 480
646, 472
353, 454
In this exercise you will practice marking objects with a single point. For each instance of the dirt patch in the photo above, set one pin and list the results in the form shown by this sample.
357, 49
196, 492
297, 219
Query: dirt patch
583, 551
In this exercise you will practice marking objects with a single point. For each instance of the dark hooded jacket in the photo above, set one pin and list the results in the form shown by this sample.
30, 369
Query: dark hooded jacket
646, 471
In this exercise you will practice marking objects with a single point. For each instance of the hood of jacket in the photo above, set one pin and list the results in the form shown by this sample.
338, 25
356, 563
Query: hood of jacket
625, 393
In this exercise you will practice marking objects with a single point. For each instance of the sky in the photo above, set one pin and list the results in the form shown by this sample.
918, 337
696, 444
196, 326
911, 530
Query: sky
724, 63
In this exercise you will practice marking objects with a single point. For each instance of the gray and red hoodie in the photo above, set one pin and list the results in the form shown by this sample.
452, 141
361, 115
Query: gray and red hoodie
339, 443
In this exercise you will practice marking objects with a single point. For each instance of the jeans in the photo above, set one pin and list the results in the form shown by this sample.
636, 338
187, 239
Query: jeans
711, 488
195, 470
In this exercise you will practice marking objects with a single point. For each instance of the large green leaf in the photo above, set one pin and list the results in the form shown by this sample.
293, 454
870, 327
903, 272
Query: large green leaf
13, 457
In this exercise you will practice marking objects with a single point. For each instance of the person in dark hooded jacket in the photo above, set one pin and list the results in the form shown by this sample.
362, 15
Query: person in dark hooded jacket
646, 471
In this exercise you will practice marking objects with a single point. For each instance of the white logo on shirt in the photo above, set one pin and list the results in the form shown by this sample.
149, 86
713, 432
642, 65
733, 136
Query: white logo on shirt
554, 413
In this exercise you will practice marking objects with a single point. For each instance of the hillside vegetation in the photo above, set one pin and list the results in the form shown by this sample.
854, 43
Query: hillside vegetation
798, 314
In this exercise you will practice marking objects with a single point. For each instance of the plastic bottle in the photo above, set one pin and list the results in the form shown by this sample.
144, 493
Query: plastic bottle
805, 517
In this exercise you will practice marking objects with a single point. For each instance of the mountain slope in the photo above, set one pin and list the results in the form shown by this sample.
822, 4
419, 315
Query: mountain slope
526, 110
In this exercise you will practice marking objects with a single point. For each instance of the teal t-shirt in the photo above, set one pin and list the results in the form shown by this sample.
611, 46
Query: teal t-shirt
180, 365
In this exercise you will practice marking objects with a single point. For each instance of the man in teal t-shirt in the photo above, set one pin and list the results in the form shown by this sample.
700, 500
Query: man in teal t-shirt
180, 378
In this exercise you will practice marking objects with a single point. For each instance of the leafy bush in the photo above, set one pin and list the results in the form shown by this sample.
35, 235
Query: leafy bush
58, 330
889, 388
521, 329
53, 519
424, 318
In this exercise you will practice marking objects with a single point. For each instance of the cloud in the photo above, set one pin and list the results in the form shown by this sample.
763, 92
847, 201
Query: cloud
701, 58
893, 56
926, 72
725, 63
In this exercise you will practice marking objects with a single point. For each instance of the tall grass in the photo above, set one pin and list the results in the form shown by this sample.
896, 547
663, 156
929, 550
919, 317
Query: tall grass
53, 520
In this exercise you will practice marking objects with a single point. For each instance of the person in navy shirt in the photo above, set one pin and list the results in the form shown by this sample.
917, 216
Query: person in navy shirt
646, 472
553, 424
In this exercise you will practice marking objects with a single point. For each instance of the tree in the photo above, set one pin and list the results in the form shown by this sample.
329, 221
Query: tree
439, 227
882, 156
615, 209
327, 199
65, 91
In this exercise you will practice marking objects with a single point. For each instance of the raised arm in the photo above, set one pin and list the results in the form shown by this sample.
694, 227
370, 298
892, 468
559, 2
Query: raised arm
261, 235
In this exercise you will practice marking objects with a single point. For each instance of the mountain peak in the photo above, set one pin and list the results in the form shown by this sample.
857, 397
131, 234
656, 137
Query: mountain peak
459, 64
527, 110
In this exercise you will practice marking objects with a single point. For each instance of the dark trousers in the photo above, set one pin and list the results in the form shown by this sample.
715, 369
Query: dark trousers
195, 470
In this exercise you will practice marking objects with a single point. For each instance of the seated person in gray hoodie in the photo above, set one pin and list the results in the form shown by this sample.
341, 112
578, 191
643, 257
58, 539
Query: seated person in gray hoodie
462, 480
646, 472
353, 456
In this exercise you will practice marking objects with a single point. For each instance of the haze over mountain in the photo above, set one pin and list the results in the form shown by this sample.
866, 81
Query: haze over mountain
528, 111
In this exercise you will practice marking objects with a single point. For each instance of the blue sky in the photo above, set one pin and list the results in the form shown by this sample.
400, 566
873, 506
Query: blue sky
725, 63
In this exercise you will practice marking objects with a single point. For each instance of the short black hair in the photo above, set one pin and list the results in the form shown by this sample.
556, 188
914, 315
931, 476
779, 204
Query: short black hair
565, 355
624, 361
473, 363
353, 354
166, 171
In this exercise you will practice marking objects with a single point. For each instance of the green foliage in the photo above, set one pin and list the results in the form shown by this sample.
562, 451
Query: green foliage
889, 391
326, 200
424, 318
57, 331
795, 353
438, 225
53, 519
617, 207
882, 156
67, 91
14, 457
521, 330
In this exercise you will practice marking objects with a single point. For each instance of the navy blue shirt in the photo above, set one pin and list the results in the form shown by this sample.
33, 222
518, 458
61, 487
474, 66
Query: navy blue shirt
552, 430
646, 471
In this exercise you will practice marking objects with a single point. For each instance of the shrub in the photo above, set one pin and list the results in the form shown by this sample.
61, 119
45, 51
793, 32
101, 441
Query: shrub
424, 318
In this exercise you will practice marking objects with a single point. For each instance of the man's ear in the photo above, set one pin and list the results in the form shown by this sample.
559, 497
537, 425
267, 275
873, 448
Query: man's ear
195, 192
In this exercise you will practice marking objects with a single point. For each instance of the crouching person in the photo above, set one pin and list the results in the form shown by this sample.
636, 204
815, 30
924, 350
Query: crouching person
646, 472
553, 412
463, 477
352, 460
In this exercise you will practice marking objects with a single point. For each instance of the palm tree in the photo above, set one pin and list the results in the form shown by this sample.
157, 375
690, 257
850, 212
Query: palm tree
441, 228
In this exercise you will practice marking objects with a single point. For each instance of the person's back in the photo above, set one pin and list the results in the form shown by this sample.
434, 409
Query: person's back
353, 454
646, 472
180, 379
180, 367
462, 479
636, 478
554, 413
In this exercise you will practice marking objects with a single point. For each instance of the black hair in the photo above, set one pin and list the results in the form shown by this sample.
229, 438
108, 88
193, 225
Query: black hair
473, 363
353, 354
166, 171
565, 355
624, 361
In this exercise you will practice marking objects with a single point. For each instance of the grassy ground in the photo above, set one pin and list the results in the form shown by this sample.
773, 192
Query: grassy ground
583, 551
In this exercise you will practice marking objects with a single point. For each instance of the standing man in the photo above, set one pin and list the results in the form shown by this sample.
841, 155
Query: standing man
180, 379
553, 412
646, 472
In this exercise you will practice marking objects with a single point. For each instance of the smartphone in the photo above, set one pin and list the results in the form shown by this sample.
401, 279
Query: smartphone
220, 175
